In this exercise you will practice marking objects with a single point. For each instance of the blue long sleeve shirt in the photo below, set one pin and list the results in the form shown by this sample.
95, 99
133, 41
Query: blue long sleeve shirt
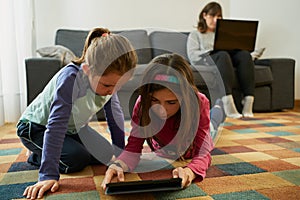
65, 105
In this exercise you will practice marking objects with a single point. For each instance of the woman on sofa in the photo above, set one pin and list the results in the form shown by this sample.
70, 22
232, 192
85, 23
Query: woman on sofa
200, 44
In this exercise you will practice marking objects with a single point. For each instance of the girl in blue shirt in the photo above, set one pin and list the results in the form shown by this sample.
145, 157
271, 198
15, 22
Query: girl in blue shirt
55, 125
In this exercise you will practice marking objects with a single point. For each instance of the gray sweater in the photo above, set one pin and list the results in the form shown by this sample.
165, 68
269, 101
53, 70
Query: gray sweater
199, 45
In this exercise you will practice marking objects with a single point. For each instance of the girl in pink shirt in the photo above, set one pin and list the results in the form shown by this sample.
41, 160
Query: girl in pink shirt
173, 117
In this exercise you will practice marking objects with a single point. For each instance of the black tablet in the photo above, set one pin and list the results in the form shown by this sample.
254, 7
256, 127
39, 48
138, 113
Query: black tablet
143, 186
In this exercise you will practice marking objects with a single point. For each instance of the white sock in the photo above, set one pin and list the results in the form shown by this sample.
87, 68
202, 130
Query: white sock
229, 107
248, 104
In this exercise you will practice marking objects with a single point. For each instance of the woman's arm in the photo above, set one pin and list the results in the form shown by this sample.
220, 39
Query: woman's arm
195, 50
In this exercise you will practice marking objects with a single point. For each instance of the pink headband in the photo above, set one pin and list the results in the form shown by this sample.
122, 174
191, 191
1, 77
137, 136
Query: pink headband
166, 78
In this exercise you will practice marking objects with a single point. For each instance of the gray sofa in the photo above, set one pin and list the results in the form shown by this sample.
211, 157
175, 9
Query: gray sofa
274, 78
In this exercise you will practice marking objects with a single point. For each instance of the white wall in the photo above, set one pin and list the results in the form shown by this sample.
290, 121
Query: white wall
115, 15
1, 102
277, 32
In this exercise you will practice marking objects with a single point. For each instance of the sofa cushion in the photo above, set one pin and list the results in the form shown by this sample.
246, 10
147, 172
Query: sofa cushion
140, 41
72, 39
263, 75
136, 79
168, 42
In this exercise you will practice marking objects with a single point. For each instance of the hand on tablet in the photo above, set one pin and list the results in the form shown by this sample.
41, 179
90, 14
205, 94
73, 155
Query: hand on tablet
113, 170
186, 174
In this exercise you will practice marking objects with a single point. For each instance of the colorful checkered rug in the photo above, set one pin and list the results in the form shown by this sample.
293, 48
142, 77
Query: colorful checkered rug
255, 158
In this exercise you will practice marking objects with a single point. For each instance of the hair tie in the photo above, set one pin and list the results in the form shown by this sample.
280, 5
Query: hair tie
166, 78
104, 34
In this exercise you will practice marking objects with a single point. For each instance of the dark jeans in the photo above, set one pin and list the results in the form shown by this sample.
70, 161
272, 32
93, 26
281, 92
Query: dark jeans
74, 155
231, 63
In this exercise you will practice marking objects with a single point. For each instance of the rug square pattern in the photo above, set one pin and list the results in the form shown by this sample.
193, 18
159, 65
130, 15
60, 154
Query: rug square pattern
224, 159
228, 184
275, 165
283, 153
240, 168
265, 147
256, 158
291, 175
76, 195
294, 161
289, 192
236, 149
253, 156
246, 195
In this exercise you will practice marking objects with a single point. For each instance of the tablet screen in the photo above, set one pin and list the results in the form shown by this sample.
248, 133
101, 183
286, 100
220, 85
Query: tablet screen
143, 186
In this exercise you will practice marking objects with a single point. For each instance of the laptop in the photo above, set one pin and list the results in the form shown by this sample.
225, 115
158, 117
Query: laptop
235, 35
143, 186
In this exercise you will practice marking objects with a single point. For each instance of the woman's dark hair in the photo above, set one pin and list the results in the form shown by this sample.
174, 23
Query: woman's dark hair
213, 9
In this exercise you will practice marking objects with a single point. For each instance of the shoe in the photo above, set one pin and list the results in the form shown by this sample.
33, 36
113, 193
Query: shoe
34, 159
219, 103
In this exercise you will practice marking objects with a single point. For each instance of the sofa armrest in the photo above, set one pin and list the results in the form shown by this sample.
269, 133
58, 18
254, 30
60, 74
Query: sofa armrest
283, 71
39, 71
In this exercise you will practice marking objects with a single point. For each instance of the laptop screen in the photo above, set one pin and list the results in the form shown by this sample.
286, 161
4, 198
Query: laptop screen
235, 35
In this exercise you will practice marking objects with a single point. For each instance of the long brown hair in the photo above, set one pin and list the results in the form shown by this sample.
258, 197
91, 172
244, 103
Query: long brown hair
213, 9
183, 86
105, 52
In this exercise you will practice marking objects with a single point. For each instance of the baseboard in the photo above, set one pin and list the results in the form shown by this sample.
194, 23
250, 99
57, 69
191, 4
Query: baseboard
297, 105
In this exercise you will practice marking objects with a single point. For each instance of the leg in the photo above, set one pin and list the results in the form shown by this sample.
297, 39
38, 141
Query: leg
85, 148
245, 70
223, 61
99, 147
32, 135
74, 156
217, 114
248, 105
242, 60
